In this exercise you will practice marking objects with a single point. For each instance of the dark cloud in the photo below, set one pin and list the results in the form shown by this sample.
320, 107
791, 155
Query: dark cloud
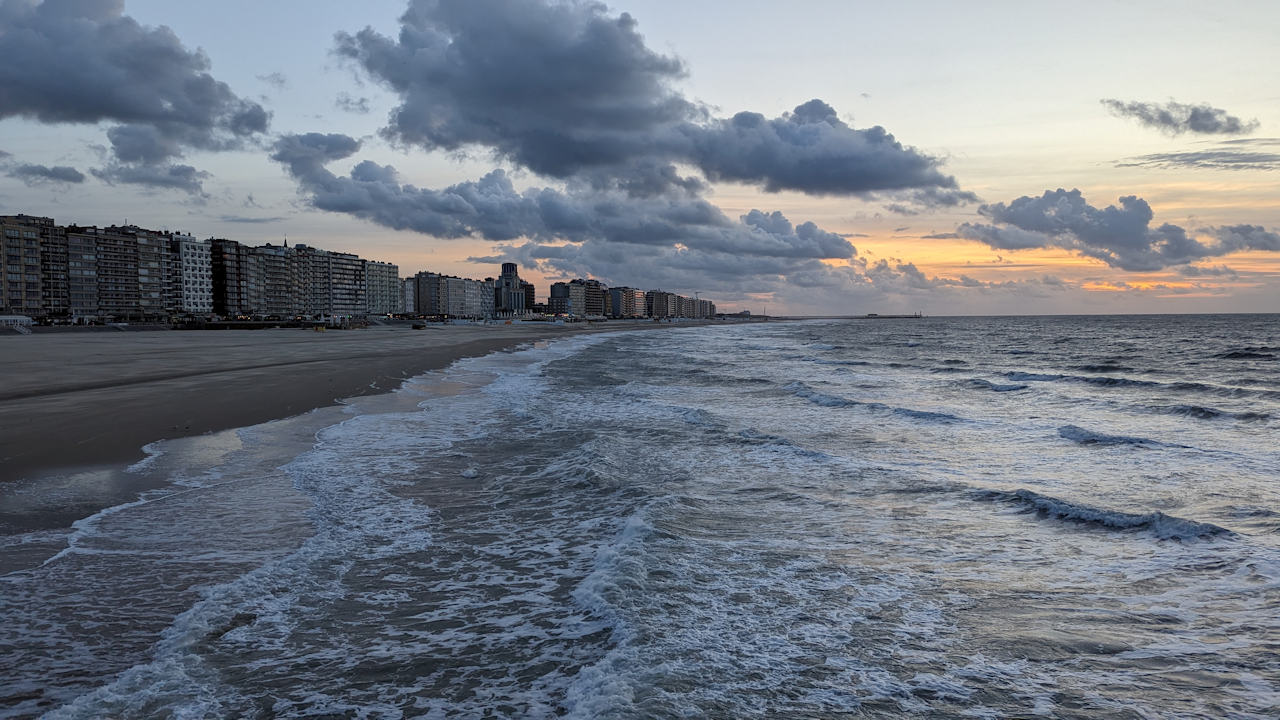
86, 62
42, 175
810, 150
1119, 236
160, 177
1177, 118
568, 90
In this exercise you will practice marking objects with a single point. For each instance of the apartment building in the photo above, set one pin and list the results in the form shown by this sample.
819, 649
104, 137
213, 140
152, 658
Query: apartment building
382, 288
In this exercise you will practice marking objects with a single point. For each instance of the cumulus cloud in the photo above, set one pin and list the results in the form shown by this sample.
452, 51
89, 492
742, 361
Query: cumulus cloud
86, 62
567, 90
42, 175
1176, 118
1118, 236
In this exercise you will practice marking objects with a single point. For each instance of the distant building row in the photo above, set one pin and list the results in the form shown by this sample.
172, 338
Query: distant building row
130, 273
591, 298
127, 273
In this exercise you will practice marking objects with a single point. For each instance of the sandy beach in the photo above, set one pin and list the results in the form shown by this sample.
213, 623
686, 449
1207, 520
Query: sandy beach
85, 399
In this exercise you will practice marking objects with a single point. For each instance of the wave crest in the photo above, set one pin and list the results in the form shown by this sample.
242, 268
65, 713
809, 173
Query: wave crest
1164, 527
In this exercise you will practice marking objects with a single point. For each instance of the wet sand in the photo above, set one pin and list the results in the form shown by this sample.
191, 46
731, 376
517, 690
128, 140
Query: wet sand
89, 399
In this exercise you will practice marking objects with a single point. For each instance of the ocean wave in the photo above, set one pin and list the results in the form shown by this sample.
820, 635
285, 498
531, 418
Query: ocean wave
1164, 527
1033, 377
1176, 387
1201, 412
1105, 367
1089, 379
1249, 353
994, 387
1089, 437
802, 390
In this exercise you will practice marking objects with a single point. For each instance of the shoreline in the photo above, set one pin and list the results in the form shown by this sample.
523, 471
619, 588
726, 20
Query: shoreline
80, 400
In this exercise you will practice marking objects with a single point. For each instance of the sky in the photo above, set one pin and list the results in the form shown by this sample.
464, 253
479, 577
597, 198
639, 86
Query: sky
813, 157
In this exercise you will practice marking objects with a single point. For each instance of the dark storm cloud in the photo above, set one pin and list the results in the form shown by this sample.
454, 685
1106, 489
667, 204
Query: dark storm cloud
566, 90
160, 177
1177, 118
41, 175
1119, 236
85, 62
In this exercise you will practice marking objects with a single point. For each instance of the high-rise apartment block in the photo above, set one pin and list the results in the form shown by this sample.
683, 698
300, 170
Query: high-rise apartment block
450, 296
128, 273
382, 288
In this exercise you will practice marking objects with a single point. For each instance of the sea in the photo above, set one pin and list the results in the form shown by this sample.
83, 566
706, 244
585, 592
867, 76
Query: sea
1061, 517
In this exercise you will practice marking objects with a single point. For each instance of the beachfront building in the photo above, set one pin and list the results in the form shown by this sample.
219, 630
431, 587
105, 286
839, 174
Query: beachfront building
20, 292
231, 268
82, 275
55, 289
626, 302
408, 287
332, 282
529, 300
276, 287
192, 280
382, 288
509, 293
450, 296
560, 301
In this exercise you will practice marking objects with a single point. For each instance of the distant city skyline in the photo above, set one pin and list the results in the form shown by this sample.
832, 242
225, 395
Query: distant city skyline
818, 157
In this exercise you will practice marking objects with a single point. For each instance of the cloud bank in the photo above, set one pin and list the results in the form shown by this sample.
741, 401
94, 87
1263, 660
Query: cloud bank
86, 62
1177, 118
1120, 236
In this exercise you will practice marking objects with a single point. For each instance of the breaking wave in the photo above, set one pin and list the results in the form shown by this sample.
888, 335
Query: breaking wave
1164, 527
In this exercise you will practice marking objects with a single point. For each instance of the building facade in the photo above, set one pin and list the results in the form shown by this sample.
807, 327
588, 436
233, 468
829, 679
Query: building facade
382, 288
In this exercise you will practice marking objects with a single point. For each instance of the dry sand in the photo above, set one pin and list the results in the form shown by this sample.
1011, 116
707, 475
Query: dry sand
84, 399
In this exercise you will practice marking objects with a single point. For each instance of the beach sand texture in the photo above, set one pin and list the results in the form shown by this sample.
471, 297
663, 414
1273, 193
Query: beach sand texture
82, 399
